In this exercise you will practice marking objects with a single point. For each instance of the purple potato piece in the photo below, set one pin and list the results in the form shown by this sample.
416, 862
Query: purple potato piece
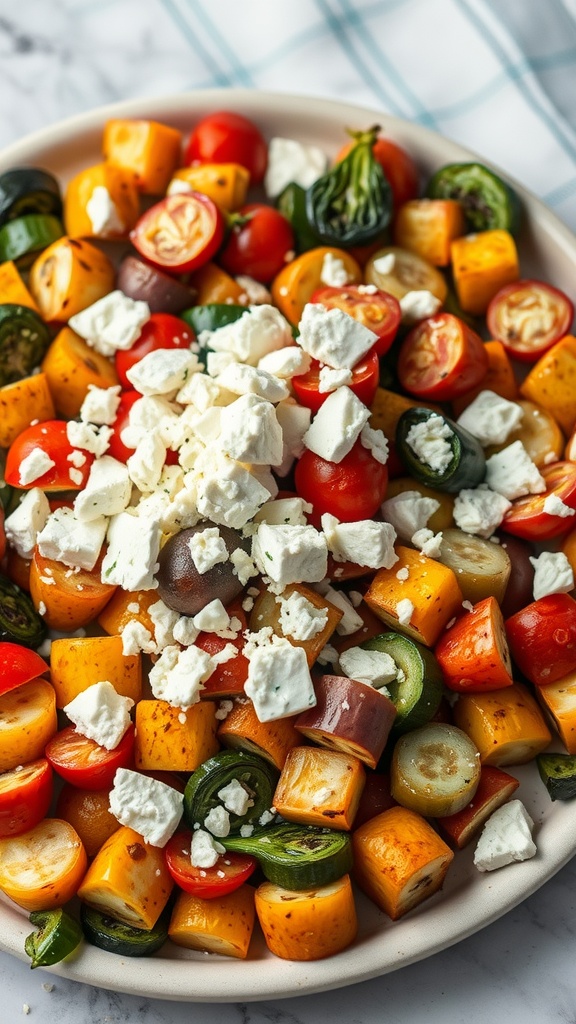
519, 591
163, 293
186, 590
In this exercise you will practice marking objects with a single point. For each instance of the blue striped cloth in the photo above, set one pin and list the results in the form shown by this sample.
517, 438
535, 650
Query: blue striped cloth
495, 75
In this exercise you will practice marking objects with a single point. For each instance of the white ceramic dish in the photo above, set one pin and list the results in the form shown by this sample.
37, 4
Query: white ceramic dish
470, 900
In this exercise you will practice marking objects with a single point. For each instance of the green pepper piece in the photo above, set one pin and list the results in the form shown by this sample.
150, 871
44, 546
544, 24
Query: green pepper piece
467, 466
352, 203
297, 856
292, 203
558, 773
57, 937
24, 237
257, 776
28, 190
24, 339
488, 201
417, 691
115, 936
19, 620
210, 318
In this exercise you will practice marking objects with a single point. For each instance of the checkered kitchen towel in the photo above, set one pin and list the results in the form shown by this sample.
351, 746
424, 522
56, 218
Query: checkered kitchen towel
496, 75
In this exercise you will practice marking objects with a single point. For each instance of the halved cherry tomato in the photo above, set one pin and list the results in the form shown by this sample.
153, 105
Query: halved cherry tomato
398, 166
352, 489
225, 137
228, 874
162, 330
441, 358
528, 518
18, 665
259, 243
542, 638
49, 437
86, 764
528, 317
179, 233
364, 383
25, 796
117, 449
227, 679
377, 310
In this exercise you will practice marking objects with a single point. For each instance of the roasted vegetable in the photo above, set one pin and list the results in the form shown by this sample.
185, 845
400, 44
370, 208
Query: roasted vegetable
297, 856
25, 190
488, 201
24, 339
256, 776
118, 937
58, 935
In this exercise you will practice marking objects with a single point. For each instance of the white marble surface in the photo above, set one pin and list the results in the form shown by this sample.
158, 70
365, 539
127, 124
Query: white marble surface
59, 57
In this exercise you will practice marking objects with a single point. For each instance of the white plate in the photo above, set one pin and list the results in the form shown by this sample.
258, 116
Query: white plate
470, 900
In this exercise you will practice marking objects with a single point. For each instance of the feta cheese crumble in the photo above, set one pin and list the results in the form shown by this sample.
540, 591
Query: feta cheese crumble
491, 418
430, 442
101, 714
553, 574
506, 837
151, 808
512, 472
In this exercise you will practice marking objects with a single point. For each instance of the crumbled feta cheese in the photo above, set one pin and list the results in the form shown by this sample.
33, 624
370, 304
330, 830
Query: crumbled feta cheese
243, 566
136, 638
26, 521
101, 714
163, 371
286, 362
33, 466
295, 421
178, 675
365, 542
235, 798
480, 510
430, 441
512, 472
250, 431
107, 490
207, 549
261, 329
163, 619
111, 324
384, 264
184, 631
223, 710
292, 161
283, 511
217, 821
299, 618
213, 618
505, 838
409, 512
429, 543
100, 405
65, 539
150, 807
133, 546
372, 667
227, 493
554, 506
376, 442
553, 574
290, 554
351, 621
329, 379
419, 304
337, 425
255, 293
88, 436
404, 611
204, 850
333, 337
333, 272
279, 682
491, 418
103, 214
249, 380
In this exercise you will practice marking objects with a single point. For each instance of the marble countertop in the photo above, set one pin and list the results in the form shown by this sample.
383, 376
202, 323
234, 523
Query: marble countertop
60, 57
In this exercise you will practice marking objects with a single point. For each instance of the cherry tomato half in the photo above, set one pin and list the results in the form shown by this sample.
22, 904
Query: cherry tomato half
441, 358
228, 874
50, 438
528, 317
116, 448
18, 665
376, 310
25, 796
179, 233
259, 243
364, 383
162, 330
352, 489
398, 166
542, 638
225, 137
528, 519
86, 764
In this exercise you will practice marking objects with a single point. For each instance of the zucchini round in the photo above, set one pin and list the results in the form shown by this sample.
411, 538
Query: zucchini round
257, 776
435, 770
297, 856
58, 935
558, 773
488, 201
457, 459
19, 620
26, 190
24, 339
23, 238
417, 691
116, 937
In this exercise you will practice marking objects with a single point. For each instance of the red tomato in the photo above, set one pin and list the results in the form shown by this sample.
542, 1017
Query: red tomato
225, 137
50, 437
259, 243
364, 383
377, 310
117, 449
352, 489
86, 764
228, 874
162, 330
180, 233
441, 358
227, 680
18, 665
528, 317
527, 517
25, 796
542, 638
398, 166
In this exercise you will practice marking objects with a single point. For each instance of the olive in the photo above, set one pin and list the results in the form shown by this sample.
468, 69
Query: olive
186, 590
519, 591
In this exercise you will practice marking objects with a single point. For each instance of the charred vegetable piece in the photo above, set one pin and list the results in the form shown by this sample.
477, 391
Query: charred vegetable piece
558, 773
182, 587
487, 200
256, 776
19, 621
292, 203
162, 292
57, 937
116, 937
23, 238
24, 339
458, 460
417, 690
26, 190
352, 203
297, 856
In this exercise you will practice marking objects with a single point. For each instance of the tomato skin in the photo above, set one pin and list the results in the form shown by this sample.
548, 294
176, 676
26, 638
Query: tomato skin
180, 233
225, 137
18, 665
364, 383
542, 638
25, 796
398, 166
441, 358
50, 436
352, 489
506, 327
377, 310
117, 449
162, 330
527, 518
258, 243
86, 764
205, 882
